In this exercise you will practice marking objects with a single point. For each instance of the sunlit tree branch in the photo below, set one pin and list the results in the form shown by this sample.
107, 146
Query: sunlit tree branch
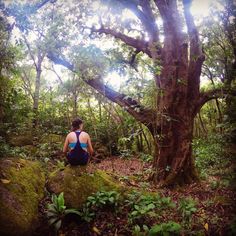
130, 105
196, 55
145, 16
140, 45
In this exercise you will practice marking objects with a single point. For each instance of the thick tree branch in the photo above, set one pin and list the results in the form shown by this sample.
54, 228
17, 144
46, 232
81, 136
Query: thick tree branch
195, 48
196, 55
136, 43
31, 9
130, 105
145, 16
214, 94
152, 27
40, 4
132, 59
139, 112
171, 19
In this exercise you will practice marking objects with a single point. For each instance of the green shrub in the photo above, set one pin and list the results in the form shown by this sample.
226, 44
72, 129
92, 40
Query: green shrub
86, 214
146, 157
138, 231
126, 153
187, 206
98, 200
56, 211
165, 229
146, 205
102, 198
46, 150
209, 151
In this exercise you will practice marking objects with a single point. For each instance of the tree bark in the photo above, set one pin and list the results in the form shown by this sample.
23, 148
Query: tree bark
173, 161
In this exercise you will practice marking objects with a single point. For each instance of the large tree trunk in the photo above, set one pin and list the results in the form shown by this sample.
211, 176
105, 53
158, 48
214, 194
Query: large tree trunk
173, 162
178, 84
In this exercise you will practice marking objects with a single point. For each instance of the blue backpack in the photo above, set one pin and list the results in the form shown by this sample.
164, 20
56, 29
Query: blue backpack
77, 155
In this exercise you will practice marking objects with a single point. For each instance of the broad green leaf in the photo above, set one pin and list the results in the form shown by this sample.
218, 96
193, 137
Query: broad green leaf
52, 220
57, 225
60, 200
72, 211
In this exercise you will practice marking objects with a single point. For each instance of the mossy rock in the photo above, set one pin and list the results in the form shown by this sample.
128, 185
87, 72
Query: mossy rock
77, 184
20, 140
52, 138
22, 187
101, 151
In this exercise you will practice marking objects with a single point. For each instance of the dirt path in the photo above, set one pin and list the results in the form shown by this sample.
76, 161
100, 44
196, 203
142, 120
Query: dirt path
120, 166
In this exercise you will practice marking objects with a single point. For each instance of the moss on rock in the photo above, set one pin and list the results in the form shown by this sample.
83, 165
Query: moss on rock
52, 138
20, 140
77, 184
21, 187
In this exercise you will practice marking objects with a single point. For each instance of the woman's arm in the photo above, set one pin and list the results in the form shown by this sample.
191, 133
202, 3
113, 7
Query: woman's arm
90, 148
65, 148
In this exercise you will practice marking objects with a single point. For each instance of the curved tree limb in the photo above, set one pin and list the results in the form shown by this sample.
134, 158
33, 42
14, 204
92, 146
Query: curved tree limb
145, 15
139, 112
40, 4
213, 94
136, 43
31, 8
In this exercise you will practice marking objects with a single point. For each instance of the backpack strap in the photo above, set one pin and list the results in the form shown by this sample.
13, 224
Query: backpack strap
77, 136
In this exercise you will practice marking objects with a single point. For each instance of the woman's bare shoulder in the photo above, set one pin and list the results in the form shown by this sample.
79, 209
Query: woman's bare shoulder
71, 134
85, 133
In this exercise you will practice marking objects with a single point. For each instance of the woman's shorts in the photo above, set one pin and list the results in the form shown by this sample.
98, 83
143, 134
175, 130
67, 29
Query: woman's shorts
78, 160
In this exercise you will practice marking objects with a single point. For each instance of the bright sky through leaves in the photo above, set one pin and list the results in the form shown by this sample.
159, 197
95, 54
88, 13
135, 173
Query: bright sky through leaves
200, 8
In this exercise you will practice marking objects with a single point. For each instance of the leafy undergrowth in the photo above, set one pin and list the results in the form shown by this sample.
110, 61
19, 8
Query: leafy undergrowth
205, 208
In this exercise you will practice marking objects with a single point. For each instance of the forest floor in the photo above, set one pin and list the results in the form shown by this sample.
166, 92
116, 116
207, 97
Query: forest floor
213, 201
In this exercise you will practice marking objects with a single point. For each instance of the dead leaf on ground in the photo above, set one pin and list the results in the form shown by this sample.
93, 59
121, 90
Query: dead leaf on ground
5, 181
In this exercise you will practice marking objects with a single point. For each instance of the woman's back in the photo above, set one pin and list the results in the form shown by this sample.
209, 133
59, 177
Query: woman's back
83, 139
78, 155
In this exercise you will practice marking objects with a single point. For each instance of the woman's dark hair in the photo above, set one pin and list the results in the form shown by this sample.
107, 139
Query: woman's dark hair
76, 124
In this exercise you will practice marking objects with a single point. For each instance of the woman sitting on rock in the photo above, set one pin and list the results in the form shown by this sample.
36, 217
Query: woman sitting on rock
78, 145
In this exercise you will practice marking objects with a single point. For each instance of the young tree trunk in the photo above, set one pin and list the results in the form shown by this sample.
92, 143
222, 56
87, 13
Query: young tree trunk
75, 108
92, 118
36, 95
202, 125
